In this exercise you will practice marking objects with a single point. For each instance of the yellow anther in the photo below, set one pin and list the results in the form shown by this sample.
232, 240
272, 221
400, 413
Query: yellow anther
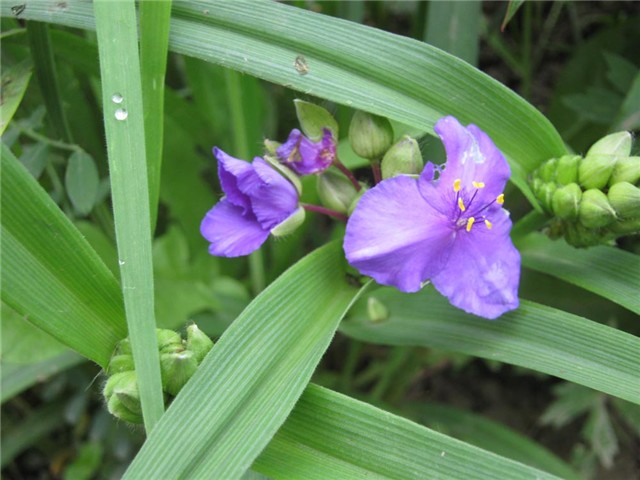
456, 185
461, 205
478, 184
488, 224
500, 199
470, 223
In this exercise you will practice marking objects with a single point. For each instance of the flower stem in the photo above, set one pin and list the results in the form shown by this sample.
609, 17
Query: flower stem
347, 173
377, 175
325, 211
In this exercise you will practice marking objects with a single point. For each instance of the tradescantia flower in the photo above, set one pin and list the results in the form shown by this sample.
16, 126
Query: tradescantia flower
258, 201
306, 157
451, 230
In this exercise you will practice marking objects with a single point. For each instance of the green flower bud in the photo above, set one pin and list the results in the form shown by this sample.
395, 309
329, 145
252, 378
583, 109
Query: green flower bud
176, 370
313, 119
335, 191
595, 209
370, 136
376, 310
123, 398
286, 172
625, 227
581, 237
627, 169
290, 224
120, 363
618, 144
545, 195
547, 171
625, 200
124, 347
595, 170
270, 147
168, 341
567, 169
403, 157
198, 342
566, 200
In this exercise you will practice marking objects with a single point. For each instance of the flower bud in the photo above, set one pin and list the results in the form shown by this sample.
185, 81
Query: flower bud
595, 210
335, 191
270, 146
627, 169
176, 370
545, 195
314, 119
370, 136
198, 342
285, 172
565, 201
567, 169
594, 171
124, 347
290, 224
618, 144
625, 200
403, 157
625, 227
547, 171
123, 398
376, 310
579, 236
120, 363
168, 341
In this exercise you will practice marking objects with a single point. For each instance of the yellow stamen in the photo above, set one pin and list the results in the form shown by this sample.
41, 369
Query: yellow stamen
456, 185
488, 224
500, 199
470, 223
478, 184
461, 205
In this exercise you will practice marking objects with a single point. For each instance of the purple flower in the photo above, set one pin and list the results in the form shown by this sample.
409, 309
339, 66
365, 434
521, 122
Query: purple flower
306, 157
451, 230
257, 200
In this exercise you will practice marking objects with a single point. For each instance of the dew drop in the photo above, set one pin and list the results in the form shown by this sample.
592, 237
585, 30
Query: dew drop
121, 114
117, 98
120, 262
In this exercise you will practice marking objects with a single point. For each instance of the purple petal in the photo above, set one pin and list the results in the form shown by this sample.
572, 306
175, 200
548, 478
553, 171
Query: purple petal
286, 151
483, 271
395, 237
231, 233
306, 157
231, 171
275, 199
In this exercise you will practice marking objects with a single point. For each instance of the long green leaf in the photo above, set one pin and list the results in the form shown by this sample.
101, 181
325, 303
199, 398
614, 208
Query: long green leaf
15, 81
50, 274
247, 385
533, 336
455, 28
398, 77
329, 435
610, 272
124, 127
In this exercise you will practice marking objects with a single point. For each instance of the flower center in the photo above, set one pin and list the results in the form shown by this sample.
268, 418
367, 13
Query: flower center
473, 214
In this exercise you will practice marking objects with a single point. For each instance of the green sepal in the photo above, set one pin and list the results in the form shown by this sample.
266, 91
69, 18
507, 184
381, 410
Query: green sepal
566, 201
625, 200
314, 119
595, 209
370, 135
118, 410
290, 224
335, 191
122, 396
403, 158
198, 342
176, 370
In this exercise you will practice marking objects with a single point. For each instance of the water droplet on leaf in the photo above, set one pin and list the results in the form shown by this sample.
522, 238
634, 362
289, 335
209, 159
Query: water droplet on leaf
121, 114
117, 98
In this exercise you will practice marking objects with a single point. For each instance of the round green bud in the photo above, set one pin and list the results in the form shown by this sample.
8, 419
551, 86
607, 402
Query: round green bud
198, 342
567, 169
595, 210
594, 171
579, 236
122, 397
627, 169
290, 224
314, 119
545, 195
176, 370
565, 201
120, 363
168, 341
547, 171
370, 136
403, 157
376, 310
335, 191
124, 347
618, 144
625, 200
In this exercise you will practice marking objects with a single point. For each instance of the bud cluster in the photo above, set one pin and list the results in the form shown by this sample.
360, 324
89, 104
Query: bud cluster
595, 198
179, 359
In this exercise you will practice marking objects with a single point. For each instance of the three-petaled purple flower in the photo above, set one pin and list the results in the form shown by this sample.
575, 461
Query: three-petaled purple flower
451, 230
257, 200
306, 157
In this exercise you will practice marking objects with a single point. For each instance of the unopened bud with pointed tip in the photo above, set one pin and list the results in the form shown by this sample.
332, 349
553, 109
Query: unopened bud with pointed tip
595, 209
123, 398
314, 119
567, 169
403, 158
290, 224
176, 370
120, 363
627, 169
595, 170
625, 200
547, 171
617, 144
168, 341
198, 342
566, 201
370, 136
335, 191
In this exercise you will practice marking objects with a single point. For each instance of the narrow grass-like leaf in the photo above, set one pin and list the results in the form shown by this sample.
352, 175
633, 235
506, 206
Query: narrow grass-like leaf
15, 81
628, 117
154, 44
397, 77
455, 28
491, 436
607, 271
329, 435
533, 336
50, 274
247, 385
512, 8
124, 126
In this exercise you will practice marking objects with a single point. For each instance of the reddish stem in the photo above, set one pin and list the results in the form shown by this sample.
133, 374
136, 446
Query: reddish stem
325, 211
347, 173
377, 174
